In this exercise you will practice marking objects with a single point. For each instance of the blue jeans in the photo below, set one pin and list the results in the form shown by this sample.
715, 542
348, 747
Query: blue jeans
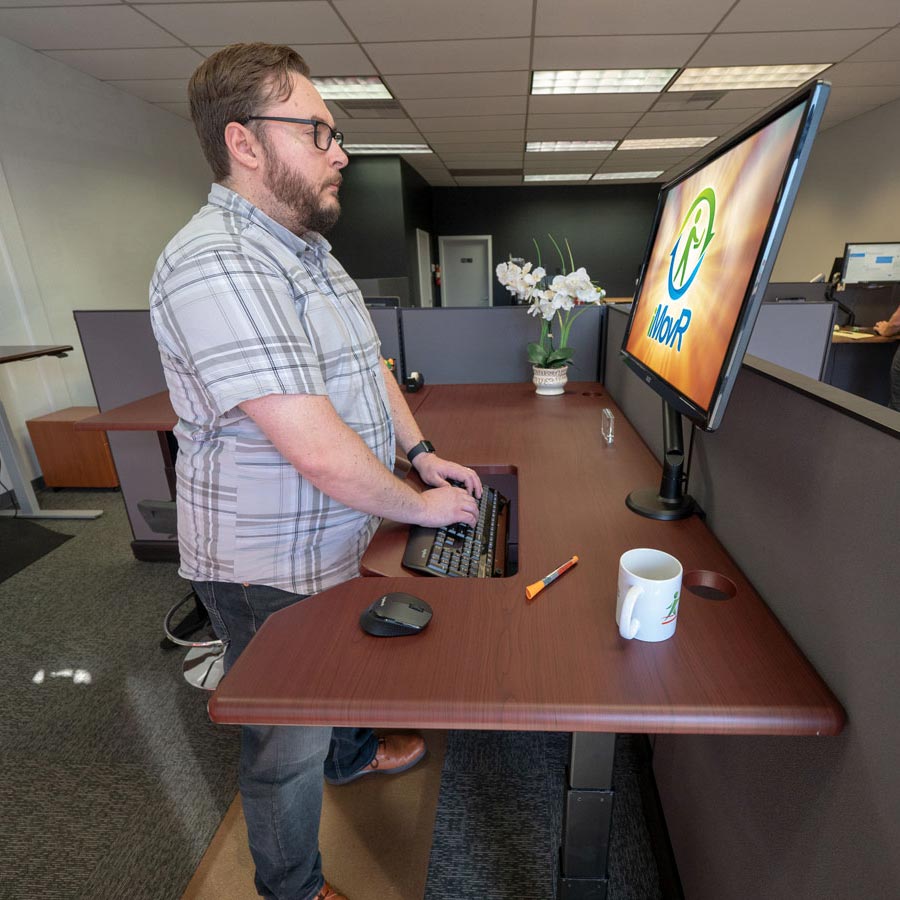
282, 766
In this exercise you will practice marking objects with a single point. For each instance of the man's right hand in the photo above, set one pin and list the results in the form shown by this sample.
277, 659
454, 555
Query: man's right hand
446, 505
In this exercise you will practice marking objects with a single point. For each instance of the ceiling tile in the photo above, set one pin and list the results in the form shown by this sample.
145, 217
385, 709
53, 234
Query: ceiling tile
451, 56
354, 127
488, 180
461, 137
781, 48
582, 120
212, 24
562, 17
864, 74
648, 51
36, 3
712, 118
423, 20
180, 109
676, 131
174, 62
465, 84
82, 28
335, 59
776, 15
483, 163
752, 99
865, 96
471, 123
461, 106
576, 134
590, 103
495, 147
886, 47
162, 90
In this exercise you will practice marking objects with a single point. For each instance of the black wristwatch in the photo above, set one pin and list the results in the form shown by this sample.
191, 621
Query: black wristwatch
421, 447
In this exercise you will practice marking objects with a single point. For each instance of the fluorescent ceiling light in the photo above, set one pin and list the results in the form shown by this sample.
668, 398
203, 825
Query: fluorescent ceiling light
557, 146
584, 177
741, 78
625, 176
664, 143
601, 81
371, 149
358, 88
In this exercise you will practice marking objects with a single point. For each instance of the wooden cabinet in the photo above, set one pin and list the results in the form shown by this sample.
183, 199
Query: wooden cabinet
70, 458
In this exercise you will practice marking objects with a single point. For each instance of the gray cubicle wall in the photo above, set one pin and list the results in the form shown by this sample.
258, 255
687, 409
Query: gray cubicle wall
799, 484
794, 335
478, 345
387, 324
123, 362
124, 365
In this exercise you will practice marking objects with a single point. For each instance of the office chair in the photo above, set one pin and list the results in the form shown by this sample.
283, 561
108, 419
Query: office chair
204, 664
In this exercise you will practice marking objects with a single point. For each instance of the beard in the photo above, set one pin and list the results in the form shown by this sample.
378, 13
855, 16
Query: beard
302, 203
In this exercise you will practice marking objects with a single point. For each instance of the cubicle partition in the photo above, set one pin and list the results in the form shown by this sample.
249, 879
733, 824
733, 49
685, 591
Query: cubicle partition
446, 345
123, 362
799, 484
795, 335
475, 345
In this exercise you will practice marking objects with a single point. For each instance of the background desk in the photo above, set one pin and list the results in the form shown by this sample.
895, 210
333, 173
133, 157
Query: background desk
489, 659
862, 365
25, 497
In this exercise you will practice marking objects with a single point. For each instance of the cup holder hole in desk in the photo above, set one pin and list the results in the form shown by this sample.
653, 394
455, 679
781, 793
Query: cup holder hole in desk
709, 585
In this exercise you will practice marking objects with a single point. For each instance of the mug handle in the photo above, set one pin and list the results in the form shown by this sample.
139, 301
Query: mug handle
628, 627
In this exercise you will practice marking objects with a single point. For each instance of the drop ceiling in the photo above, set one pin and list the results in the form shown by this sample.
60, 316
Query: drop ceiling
460, 70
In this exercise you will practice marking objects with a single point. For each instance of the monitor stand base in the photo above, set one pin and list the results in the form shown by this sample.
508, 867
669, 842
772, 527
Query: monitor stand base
647, 502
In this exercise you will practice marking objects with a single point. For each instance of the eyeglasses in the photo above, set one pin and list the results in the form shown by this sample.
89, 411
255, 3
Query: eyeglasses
323, 133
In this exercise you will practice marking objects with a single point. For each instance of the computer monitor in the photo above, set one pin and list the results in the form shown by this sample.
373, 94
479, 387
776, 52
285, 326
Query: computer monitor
871, 263
382, 302
712, 247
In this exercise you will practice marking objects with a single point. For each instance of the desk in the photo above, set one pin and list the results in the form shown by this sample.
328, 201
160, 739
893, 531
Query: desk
489, 660
861, 364
25, 497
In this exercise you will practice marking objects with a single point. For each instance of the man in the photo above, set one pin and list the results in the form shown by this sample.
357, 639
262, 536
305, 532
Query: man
288, 421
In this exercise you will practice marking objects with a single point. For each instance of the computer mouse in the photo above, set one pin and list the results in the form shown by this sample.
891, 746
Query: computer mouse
394, 615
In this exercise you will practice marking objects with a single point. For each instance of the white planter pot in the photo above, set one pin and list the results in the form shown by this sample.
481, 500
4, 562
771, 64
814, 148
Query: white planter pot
550, 382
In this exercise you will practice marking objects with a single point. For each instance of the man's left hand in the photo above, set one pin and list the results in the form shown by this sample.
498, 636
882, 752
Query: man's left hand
436, 471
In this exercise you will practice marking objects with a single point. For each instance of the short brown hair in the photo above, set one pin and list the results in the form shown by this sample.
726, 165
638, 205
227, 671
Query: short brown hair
234, 83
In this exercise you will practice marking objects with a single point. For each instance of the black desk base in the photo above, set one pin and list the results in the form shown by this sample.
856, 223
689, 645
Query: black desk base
587, 814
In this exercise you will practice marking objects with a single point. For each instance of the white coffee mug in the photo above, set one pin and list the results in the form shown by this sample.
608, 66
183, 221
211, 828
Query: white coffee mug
648, 594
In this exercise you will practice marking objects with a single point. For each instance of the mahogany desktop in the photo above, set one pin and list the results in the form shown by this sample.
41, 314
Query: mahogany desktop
492, 660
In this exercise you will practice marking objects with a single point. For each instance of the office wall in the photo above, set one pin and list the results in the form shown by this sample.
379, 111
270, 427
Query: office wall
607, 226
370, 237
800, 493
417, 213
93, 183
850, 192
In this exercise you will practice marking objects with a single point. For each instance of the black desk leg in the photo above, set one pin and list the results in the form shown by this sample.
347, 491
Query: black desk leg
586, 818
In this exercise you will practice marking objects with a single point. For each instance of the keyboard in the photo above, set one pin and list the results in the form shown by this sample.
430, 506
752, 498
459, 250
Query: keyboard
463, 551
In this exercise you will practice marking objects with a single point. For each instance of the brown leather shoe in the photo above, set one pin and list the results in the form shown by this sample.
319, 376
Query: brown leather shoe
396, 753
329, 893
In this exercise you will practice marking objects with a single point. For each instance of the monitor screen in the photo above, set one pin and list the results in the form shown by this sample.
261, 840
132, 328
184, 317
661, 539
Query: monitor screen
871, 263
715, 237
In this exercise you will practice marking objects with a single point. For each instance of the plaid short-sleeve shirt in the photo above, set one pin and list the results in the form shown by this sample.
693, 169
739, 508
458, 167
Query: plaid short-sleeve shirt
242, 308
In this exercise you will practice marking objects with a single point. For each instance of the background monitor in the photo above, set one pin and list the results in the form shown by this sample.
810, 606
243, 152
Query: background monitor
712, 247
871, 263
382, 302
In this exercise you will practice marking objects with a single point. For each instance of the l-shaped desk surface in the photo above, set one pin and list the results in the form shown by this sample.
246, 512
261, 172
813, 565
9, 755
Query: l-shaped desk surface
492, 660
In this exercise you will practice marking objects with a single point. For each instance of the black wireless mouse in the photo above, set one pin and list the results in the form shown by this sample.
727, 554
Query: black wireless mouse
395, 614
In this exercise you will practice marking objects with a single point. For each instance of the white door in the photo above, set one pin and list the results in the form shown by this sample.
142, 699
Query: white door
423, 243
466, 277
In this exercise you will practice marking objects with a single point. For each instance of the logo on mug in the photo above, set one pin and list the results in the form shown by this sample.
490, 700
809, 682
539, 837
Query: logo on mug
671, 611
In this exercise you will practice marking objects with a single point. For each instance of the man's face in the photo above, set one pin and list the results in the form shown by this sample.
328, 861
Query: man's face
302, 180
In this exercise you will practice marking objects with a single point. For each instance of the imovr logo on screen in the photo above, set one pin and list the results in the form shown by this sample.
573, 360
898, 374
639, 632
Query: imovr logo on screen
685, 260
